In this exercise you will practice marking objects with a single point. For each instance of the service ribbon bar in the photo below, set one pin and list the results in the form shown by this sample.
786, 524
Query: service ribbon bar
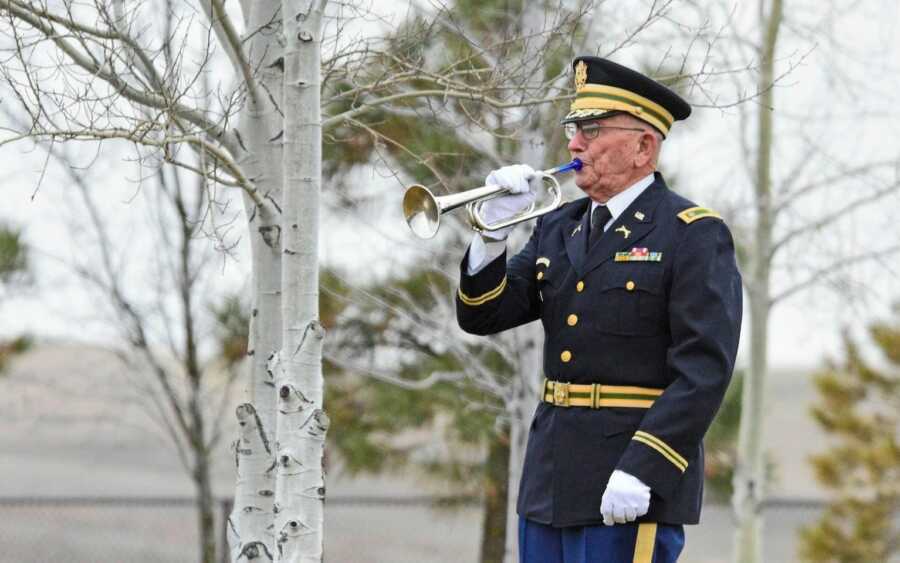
638, 256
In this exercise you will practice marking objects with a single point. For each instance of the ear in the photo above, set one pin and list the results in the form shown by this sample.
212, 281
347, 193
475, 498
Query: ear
645, 149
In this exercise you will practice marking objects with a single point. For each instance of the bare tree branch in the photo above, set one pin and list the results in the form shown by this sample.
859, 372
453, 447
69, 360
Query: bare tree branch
819, 274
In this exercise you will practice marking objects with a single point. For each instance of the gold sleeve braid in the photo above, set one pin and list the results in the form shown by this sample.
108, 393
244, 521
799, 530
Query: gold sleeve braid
663, 448
484, 297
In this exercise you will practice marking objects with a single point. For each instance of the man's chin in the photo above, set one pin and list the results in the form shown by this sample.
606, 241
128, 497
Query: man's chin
583, 182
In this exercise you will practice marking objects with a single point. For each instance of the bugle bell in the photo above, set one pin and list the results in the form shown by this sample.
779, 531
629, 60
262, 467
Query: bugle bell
423, 209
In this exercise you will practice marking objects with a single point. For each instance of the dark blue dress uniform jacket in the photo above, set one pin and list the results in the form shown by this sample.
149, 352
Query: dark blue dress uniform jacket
671, 324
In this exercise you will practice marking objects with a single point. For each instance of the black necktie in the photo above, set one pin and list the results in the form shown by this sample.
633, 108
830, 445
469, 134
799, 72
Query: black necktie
599, 217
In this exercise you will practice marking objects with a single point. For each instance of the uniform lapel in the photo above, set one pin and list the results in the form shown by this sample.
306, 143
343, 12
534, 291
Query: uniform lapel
636, 222
575, 234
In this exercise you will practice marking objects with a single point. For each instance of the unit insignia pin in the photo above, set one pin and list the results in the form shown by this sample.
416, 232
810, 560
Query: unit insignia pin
638, 215
578, 228
625, 232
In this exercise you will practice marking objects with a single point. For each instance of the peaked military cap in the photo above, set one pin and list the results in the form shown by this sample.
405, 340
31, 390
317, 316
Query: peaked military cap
604, 88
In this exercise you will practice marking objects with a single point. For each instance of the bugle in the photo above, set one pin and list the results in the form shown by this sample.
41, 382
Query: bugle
423, 209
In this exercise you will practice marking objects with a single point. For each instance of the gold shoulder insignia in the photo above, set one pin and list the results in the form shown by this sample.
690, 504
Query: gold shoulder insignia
695, 213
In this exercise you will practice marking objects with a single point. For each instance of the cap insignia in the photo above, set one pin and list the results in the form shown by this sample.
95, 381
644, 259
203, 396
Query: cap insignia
580, 75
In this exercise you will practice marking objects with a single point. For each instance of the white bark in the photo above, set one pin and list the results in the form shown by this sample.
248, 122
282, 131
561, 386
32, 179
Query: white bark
248, 536
250, 523
301, 421
749, 476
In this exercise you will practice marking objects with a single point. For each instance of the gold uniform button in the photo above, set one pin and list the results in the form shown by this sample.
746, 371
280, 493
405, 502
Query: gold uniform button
572, 320
629, 286
565, 356
540, 275
579, 287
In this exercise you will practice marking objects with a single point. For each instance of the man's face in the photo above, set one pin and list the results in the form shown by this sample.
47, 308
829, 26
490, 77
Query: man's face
609, 159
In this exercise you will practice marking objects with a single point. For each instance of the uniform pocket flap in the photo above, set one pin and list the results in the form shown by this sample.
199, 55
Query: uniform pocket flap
633, 279
620, 420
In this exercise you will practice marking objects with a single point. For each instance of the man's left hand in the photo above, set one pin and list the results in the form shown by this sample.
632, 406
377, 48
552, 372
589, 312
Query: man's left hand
626, 497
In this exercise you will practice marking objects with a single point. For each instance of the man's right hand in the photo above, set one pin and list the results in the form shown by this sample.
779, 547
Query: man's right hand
520, 196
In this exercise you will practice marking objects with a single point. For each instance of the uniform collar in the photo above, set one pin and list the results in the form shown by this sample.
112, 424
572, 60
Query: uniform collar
618, 203
630, 226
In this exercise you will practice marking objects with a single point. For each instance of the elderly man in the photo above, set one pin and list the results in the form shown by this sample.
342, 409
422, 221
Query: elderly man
640, 299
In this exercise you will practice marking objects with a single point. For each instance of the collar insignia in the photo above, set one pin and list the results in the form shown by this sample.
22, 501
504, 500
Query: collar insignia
639, 216
625, 232
577, 229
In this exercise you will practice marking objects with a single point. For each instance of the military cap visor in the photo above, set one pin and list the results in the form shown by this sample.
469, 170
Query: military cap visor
604, 88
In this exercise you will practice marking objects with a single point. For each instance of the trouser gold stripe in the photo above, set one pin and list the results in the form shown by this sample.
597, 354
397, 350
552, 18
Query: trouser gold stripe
646, 541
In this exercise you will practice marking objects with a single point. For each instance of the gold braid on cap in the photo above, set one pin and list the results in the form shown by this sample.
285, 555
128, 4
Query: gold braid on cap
597, 99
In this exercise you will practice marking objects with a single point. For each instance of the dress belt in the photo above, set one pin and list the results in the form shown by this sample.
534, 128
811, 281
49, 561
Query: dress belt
596, 395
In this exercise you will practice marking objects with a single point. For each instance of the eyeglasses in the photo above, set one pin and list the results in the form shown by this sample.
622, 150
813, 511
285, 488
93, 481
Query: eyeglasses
590, 130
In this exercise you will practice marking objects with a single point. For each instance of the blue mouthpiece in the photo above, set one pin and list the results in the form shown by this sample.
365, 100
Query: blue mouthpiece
576, 164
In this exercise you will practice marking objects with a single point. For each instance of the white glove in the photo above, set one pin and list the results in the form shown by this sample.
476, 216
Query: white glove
626, 497
520, 196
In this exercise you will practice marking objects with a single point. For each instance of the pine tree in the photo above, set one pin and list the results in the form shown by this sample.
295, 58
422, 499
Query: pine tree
14, 271
859, 408
448, 146
13, 258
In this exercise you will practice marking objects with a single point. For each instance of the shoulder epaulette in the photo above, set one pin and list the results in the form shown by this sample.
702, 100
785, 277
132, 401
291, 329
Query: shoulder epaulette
695, 213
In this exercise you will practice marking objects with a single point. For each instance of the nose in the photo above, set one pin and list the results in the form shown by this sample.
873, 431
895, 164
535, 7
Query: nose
576, 143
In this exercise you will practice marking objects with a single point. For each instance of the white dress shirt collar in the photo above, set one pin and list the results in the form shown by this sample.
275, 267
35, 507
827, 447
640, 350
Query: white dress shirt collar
618, 203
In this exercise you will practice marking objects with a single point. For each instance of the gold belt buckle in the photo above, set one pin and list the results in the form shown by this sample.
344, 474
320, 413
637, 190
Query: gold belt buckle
561, 394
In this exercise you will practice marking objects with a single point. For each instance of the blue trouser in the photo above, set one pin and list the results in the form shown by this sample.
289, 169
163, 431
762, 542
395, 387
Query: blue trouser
622, 543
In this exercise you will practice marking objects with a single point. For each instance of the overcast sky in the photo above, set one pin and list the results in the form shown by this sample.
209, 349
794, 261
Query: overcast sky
704, 157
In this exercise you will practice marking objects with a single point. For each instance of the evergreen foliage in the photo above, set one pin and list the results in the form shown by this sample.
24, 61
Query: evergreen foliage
441, 144
14, 270
402, 329
382, 422
232, 328
721, 443
859, 407
18, 345
13, 256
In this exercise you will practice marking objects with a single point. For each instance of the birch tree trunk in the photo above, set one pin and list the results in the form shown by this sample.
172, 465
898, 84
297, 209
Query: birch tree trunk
250, 535
749, 477
301, 423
